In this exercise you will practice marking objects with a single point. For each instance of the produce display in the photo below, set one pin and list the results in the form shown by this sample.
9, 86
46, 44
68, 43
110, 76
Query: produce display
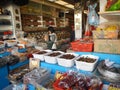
40, 55
107, 30
16, 75
67, 59
52, 57
86, 62
115, 6
86, 59
12, 59
54, 54
42, 52
67, 56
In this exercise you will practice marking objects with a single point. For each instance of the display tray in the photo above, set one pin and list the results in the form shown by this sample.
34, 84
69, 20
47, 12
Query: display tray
52, 57
40, 55
67, 59
86, 62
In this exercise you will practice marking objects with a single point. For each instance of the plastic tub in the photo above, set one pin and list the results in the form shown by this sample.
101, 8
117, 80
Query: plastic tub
66, 62
82, 65
52, 59
41, 56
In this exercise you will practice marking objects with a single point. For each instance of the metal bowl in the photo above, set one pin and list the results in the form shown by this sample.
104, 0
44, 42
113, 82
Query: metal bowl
108, 75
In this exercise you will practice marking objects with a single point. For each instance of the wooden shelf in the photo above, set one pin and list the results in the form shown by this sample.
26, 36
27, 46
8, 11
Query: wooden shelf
110, 13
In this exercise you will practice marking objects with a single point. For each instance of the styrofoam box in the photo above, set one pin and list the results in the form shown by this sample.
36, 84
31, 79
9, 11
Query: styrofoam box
81, 65
51, 59
67, 62
41, 56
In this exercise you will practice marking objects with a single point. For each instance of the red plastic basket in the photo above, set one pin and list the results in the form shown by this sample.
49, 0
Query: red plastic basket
83, 47
74, 45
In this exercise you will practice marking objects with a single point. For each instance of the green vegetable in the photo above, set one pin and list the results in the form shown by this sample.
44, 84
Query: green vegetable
115, 6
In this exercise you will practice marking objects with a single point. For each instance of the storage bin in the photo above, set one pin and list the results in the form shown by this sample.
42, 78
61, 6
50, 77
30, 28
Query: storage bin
52, 59
74, 45
67, 62
87, 66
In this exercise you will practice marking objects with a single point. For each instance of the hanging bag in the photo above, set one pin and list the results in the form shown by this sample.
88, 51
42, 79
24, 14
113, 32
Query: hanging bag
92, 15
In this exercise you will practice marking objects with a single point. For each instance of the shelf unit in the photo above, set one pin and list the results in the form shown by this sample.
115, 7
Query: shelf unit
14, 19
108, 16
110, 13
49, 16
6, 22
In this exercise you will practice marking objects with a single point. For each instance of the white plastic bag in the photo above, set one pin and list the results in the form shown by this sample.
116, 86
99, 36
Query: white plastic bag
54, 46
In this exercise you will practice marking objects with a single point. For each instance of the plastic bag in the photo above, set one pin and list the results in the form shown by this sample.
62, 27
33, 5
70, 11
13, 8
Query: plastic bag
54, 46
92, 15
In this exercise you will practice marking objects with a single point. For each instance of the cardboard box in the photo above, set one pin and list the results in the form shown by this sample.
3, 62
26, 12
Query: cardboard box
107, 46
114, 34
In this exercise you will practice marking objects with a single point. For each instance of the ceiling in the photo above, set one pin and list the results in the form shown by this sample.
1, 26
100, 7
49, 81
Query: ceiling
70, 1
65, 3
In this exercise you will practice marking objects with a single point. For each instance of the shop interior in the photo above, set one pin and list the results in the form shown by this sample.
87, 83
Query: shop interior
59, 44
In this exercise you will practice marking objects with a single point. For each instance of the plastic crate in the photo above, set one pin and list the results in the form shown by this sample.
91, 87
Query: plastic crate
82, 47
74, 45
